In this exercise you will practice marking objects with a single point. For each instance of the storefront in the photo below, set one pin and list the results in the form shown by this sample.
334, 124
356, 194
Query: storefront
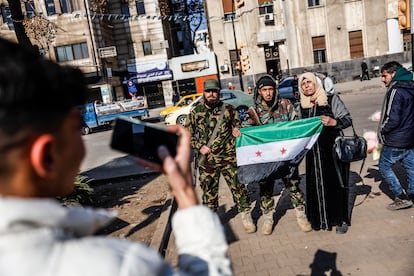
149, 78
190, 72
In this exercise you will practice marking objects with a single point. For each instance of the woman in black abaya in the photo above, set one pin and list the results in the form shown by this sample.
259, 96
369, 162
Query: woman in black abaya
326, 199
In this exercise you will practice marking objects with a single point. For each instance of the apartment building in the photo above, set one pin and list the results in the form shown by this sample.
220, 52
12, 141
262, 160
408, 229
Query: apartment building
290, 36
120, 40
154, 43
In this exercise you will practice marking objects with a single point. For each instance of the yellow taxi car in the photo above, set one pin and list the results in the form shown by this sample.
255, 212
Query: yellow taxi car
184, 101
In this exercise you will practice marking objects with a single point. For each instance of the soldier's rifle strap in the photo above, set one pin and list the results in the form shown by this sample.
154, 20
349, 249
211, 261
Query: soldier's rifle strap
214, 134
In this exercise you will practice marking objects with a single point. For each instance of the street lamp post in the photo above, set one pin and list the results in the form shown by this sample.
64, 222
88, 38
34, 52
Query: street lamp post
235, 44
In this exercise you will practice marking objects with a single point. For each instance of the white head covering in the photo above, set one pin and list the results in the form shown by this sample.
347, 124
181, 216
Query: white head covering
318, 97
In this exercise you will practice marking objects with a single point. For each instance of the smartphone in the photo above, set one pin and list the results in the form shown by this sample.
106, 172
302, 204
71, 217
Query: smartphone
142, 139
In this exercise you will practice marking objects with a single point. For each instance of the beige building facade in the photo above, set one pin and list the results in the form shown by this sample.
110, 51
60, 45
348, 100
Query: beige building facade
296, 35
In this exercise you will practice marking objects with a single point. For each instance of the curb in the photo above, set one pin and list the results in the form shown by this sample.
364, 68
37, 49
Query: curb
161, 237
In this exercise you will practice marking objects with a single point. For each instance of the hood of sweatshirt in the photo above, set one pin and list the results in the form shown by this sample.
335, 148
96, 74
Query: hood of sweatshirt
402, 74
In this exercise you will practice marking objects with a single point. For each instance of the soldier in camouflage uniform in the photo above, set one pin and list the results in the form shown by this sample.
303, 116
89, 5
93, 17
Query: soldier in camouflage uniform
218, 155
268, 109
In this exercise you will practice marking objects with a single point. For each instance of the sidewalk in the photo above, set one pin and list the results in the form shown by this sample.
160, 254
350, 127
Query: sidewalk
359, 86
379, 242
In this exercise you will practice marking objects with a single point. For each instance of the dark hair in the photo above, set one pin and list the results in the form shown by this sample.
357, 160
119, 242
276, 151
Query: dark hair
35, 94
391, 67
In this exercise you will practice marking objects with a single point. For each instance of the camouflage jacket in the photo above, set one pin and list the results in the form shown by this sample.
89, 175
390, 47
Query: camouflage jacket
284, 111
201, 123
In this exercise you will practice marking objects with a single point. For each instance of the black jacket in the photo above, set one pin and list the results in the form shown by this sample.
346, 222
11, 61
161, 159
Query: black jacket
396, 128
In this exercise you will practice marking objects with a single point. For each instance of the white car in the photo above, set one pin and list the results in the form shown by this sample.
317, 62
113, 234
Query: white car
238, 99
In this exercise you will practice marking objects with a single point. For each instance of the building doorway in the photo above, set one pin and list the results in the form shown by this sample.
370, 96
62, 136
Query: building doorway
271, 54
154, 94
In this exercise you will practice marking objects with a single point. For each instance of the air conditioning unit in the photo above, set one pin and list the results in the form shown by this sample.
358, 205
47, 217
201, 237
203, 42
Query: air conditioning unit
224, 68
269, 19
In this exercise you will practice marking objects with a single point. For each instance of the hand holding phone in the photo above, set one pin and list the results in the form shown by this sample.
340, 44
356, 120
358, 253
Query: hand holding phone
142, 139
175, 160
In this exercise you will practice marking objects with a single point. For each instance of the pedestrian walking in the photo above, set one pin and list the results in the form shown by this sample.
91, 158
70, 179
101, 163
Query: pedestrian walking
175, 97
269, 109
326, 200
328, 84
42, 149
364, 70
396, 131
212, 125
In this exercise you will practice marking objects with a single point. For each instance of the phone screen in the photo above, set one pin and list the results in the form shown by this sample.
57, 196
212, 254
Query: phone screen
142, 139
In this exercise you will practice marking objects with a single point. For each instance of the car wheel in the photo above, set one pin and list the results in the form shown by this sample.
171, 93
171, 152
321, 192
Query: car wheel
242, 110
181, 119
85, 130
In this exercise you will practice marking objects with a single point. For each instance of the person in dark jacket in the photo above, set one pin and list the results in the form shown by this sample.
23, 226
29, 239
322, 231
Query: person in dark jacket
326, 200
396, 131
364, 70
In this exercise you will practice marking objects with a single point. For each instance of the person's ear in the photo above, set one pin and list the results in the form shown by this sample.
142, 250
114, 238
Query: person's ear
42, 155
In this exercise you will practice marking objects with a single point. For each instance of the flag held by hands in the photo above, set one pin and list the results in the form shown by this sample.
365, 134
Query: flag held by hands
274, 150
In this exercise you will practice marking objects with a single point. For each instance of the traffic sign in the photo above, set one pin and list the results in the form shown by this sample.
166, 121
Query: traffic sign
107, 52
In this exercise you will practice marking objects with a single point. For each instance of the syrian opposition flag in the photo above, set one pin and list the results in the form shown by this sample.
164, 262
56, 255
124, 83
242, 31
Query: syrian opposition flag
274, 150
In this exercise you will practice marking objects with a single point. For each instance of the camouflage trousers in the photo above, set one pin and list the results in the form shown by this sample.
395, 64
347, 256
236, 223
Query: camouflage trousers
209, 182
267, 203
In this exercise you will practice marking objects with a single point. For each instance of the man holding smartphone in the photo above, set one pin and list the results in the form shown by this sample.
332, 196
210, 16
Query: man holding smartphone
212, 125
41, 150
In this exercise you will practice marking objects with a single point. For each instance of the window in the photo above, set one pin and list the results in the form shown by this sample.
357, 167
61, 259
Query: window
6, 15
68, 6
229, 16
146, 45
313, 3
125, 9
356, 46
140, 7
319, 49
30, 8
50, 7
228, 9
64, 6
406, 41
266, 8
226, 96
72, 52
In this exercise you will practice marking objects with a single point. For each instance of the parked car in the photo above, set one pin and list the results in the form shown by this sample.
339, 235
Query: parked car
286, 90
238, 99
184, 101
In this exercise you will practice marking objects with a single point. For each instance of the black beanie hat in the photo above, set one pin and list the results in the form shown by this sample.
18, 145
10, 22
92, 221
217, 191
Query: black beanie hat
266, 81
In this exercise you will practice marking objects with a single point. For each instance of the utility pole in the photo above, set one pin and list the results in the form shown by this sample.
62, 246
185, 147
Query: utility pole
235, 44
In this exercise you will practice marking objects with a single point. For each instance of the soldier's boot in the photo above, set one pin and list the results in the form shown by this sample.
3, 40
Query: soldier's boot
267, 226
246, 217
302, 220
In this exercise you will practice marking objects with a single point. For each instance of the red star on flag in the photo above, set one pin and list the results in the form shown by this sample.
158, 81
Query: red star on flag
258, 153
283, 151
